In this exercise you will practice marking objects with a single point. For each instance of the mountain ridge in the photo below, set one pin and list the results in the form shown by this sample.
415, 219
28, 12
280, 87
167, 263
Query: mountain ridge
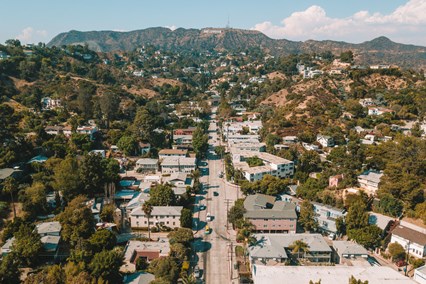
378, 50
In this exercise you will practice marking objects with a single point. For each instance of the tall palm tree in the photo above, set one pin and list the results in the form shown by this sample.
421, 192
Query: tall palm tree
299, 246
147, 209
10, 186
189, 279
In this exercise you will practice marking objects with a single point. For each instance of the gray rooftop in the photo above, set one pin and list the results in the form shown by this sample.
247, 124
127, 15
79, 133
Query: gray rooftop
371, 176
349, 248
161, 246
50, 243
265, 206
159, 211
7, 172
274, 245
48, 228
139, 278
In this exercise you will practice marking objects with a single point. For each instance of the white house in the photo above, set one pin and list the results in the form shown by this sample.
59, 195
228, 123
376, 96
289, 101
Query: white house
420, 275
171, 165
273, 165
370, 181
172, 153
325, 141
160, 216
411, 240
49, 103
147, 165
378, 110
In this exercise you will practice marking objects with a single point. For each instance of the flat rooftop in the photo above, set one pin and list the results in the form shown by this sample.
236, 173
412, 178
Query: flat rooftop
327, 274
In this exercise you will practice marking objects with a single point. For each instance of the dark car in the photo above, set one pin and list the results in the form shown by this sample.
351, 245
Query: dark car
215, 193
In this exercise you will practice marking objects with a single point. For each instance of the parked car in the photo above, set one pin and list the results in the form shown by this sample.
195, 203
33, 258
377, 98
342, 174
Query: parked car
332, 236
208, 217
202, 207
197, 272
207, 230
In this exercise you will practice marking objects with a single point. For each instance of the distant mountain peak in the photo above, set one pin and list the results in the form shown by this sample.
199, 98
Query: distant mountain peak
380, 50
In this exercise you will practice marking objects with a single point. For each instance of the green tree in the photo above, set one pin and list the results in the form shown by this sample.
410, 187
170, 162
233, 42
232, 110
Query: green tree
27, 245
107, 213
200, 142
347, 56
106, 265
298, 247
147, 209
307, 216
77, 221
109, 104
340, 225
236, 213
49, 275
186, 218
369, 236
357, 216
92, 175
165, 268
254, 161
179, 251
143, 124
34, 199
102, 240
309, 162
9, 269
396, 251
129, 145
66, 178
353, 280
389, 205
11, 186
162, 195
181, 235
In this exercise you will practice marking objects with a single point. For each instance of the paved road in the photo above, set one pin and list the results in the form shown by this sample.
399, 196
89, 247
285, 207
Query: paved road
216, 260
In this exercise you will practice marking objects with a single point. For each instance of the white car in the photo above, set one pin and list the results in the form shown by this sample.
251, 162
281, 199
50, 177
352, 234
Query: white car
208, 217
197, 272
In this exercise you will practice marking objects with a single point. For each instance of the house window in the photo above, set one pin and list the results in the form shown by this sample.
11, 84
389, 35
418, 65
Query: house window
146, 222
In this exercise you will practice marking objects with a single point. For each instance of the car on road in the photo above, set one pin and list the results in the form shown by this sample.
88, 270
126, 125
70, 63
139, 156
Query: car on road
202, 207
208, 217
215, 193
207, 230
221, 175
197, 272
332, 236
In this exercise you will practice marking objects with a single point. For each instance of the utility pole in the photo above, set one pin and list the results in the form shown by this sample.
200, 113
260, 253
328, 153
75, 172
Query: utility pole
227, 201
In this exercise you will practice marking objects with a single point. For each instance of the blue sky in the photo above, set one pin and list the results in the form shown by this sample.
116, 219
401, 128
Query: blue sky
353, 21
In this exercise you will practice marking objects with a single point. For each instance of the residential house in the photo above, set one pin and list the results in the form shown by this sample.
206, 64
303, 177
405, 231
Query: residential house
140, 277
348, 250
160, 216
3, 55
172, 153
370, 181
177, 164
420, 275
9, 172
254, 146
273, 249
146, 250
147, 165
326, 216
88, 130
182, 140
184, 131
144, 148
325, 141
269, 215
7, 247
367, 102
310, 147
411, 240
378, 110
290, 139
53, 130
334, 181
273, 165
179, 182
280, 147
49, 103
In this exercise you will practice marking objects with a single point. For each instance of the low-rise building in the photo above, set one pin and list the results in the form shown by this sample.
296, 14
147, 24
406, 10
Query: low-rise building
273, 165
420, 275
273, 249
179, 164
334, 181
147, 165
146, 250
144, 148
412, 241
172, 153
270, 216
370, 181
160, 216
184, 131
49, 103
326, 216
378, 110
349, 250
290, 139
325, 141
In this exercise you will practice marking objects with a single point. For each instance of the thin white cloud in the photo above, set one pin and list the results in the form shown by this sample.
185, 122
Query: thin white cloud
30, 35
407, 24
173, 27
